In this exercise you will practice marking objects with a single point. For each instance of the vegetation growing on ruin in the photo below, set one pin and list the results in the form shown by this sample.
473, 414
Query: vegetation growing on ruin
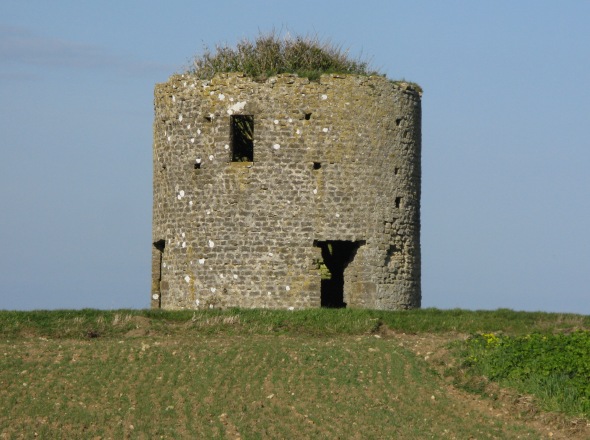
271, 54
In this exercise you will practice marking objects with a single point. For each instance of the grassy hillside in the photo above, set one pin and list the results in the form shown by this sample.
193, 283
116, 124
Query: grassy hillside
113, 323
255, 374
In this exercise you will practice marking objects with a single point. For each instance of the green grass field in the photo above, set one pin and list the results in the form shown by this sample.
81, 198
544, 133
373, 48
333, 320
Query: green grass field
254, 374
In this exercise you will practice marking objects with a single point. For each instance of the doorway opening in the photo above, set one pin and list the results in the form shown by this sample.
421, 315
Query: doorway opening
336, 256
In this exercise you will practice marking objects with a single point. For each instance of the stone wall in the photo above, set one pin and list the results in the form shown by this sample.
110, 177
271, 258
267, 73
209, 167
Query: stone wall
335, 171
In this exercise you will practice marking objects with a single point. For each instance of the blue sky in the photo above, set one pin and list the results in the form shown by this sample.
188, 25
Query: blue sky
506, 108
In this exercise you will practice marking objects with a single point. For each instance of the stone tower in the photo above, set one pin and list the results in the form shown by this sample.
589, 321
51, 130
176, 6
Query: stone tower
286, 193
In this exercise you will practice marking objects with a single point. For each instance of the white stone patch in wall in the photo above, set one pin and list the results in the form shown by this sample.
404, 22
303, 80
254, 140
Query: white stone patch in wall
298, 131
221, 96
190, 203
180, 118
276, 146
155, 296
324, 97
181, 193
270, 254
238, 106
276, 121
187, 279
173, 98
201, 261
188, 127
235, 277
198, 131
211, 157
210, 306
208, 212
315, 191
325, 129
287, 288
169, 138
213, 289
291, 308
268, 293
198, 160
337, 215
197, 302
179, 197
221, 276
211, 244
226, 146
192, 140
163, 264
211, 93
184, 244
290, 120
211, 115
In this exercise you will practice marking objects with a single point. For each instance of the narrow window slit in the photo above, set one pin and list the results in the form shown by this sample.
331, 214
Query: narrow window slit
160, 245
242, 138
317, 165
157, 264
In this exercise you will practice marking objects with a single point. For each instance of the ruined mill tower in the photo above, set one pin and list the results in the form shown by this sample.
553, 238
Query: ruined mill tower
286, 193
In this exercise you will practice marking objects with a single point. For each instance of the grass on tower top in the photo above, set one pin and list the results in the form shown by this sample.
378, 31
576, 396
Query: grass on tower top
270, 54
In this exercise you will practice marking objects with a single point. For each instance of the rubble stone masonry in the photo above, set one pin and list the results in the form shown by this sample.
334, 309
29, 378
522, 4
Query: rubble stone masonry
314, 201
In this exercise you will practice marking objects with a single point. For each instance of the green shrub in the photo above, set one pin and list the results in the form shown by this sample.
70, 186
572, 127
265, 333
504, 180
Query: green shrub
269, 55
553, 367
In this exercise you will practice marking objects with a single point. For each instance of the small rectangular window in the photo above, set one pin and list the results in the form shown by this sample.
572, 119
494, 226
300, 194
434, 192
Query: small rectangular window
242, 138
